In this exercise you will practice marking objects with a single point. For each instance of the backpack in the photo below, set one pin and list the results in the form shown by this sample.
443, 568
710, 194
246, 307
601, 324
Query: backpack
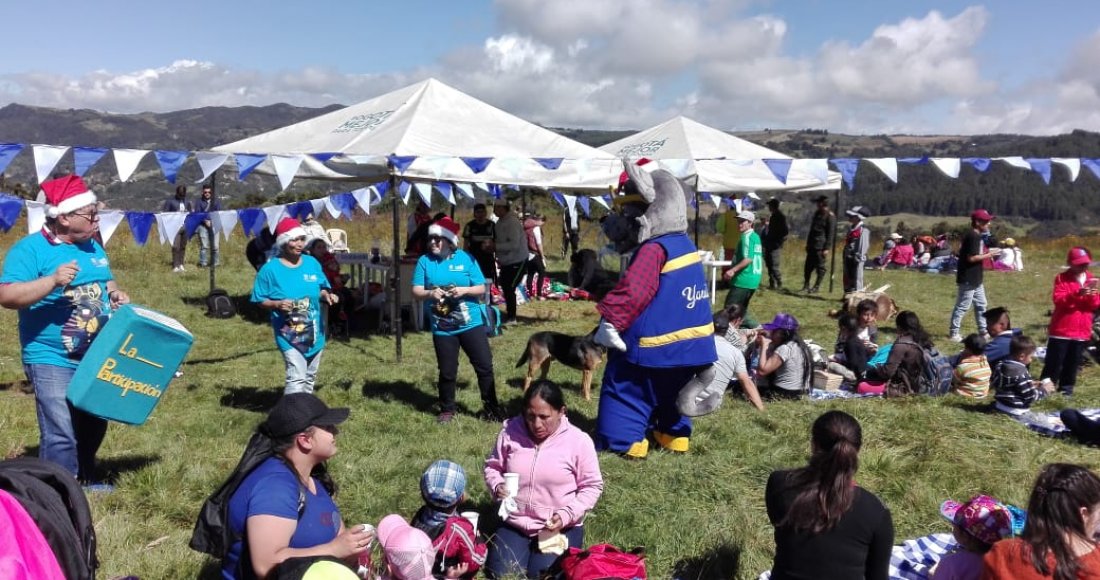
936, 374
599, 562
493, 320
54, 500
219, 305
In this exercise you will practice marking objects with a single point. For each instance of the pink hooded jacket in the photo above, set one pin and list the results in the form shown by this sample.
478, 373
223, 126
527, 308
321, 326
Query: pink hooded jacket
560, 476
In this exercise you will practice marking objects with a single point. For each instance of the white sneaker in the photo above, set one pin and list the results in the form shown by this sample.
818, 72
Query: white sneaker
955, 338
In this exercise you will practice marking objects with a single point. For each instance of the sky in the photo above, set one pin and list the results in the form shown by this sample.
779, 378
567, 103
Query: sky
848, 66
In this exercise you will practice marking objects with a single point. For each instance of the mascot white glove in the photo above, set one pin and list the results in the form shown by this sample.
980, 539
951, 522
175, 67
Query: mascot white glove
606, 335
701, 395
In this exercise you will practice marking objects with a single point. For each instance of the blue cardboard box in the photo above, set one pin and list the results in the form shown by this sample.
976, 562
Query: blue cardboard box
129, 365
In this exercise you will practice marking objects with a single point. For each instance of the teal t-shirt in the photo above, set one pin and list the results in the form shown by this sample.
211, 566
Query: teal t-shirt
300, 329
58, 329
452, 316
749, 247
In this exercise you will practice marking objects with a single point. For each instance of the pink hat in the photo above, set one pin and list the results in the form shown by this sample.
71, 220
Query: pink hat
1078, 256
983, 517
408, 551
287, 230
445, 228
66, 194
981, 215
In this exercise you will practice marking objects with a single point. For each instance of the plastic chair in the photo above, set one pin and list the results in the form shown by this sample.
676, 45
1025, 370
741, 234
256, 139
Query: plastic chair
338, 239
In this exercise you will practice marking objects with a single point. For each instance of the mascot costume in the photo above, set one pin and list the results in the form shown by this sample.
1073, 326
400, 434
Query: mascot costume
656, 322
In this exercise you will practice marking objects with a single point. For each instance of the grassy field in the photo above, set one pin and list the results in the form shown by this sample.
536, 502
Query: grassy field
699, 516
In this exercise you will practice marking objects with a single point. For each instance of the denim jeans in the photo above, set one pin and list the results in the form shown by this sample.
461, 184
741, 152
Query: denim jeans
511, 552
968, 294
204, 235
301, 374
68, 436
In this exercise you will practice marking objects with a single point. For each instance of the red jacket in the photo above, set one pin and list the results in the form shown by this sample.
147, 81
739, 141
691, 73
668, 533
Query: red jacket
1072, 317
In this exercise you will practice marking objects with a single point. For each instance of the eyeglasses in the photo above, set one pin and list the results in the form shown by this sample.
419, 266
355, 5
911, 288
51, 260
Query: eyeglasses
90, 216
436, 239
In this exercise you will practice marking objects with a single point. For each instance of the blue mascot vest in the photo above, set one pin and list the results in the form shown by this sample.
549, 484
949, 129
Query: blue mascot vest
676, 329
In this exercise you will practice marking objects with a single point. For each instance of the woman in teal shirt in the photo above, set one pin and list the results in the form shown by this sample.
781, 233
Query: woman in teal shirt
452, 283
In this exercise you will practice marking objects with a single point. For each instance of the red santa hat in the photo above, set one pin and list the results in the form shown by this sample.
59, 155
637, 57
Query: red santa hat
66, 194
445, 228
623, 177
287, 230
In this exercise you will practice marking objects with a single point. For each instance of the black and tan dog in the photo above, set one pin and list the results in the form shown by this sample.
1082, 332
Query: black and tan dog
579, 352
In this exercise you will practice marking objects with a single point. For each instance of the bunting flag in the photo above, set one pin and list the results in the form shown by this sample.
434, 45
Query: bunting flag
446, 190
85, 157
980, 163
126, 161
318, 206
193, 221
1015, 161
913, 160
286, 167
140, 223
252, 220
887, 165
848, 168
780, 168
46, 158
209, 162
1073, 165
170, 163
299, 210
224, 222
323, 157
401, 162
246, 163
948, 165
8, 151
168, 225
715, 199
331, 206
586, 208
1093, 165
466, 189
476, 164
403, 191
571, 204
818, 168
424, 192
108, 223
494, 190
1042, 167
36, 215
274, 213
10, 209
551, 163
437, 164
362, 197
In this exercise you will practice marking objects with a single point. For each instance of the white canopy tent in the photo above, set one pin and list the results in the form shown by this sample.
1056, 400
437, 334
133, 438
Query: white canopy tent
717, 162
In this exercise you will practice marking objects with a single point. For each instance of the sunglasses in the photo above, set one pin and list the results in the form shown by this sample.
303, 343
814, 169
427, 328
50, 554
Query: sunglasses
436, 239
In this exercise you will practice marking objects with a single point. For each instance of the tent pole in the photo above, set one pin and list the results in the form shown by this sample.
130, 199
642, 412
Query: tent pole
395, 304
211, 232
696, 220
832, 234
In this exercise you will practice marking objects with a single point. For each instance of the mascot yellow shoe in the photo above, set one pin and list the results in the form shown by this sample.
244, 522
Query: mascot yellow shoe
671, 442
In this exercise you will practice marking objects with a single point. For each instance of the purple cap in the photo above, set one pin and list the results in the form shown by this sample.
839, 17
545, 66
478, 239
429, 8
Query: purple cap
782, 321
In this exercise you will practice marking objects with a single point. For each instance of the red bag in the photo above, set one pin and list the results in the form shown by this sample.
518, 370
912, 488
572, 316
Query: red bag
601, 562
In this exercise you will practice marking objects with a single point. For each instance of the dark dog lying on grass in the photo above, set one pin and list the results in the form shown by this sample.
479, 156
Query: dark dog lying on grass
579, 352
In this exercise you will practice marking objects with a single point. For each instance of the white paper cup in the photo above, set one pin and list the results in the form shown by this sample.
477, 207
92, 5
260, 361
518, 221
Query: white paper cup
471, 517
511, 483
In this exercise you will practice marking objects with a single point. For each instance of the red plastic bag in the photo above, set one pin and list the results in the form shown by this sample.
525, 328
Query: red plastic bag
602, 562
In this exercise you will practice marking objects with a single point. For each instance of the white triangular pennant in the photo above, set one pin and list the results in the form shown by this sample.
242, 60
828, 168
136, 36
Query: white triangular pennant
362, 197
318, 205
437, 164
482, 186
681, 168
209, 162
1073, 164
716, 200
46, 158
127, 160
570, 203
948, 165
274, 213
36, 215
333, 211
169, 224
108, 223
887, 165
450, 195
818, 168
1015, 161
286, 167
466, 189
600, 200
223, 222
424, 190
737, 204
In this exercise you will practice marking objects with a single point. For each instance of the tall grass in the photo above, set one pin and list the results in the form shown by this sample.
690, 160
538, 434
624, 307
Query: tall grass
700, 515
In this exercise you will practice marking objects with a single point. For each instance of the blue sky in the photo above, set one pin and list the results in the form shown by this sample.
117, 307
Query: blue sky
855, 66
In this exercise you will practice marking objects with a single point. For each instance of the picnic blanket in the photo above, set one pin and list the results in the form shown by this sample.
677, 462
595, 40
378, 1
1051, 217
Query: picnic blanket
913, 559
1050, 424
842, 393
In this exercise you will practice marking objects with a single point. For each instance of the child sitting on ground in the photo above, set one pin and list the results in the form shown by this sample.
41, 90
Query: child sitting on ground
867, 315
977, 525
457, 547
972, 372
850, 358
739, 337
1016, 390
407, 551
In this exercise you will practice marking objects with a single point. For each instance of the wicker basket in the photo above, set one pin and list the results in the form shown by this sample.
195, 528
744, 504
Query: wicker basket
827, 381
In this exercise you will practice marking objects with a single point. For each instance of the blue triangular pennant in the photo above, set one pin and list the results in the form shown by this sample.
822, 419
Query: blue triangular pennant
252, 221
382, 187
1040, 166
848, 167
730, 202
299, 210
403, 189
323, 157
8, 151
140, 223
446, 190
170, 163
550, 163
401, 162
556, 196
345, 202
980, 163
246, 162
10, 208
495, 190
780, 168
585, 204
476, 164
85, 157
914, 160
1093, 164
192, 222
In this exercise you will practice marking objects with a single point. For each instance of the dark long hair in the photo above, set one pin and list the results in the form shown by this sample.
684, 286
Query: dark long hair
908, 322
1054, 516
320, 472
825, 486
784, 336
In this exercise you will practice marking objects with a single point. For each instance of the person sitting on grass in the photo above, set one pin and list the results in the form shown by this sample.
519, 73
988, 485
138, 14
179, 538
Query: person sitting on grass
905, 363
977, 525
972, 372
1016, 390
999, 326
739, 337
786, 363
867, 316
407, 551
899, 257
850, 358
704, 393
458, 550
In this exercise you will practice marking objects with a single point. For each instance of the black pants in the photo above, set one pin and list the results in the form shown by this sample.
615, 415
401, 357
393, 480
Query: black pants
475, 343
179, 249
1062, 361
815, 262
1084, 429
771, 260
570, 239
536, 272
510, 276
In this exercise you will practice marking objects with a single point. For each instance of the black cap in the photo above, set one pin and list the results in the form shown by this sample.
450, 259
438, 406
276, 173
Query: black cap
297, 412
821, 198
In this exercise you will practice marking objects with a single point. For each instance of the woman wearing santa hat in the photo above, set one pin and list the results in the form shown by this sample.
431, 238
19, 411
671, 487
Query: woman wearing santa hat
452, 283
60, 280
292, 287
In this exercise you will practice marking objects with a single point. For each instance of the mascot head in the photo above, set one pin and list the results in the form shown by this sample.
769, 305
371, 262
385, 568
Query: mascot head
652, 204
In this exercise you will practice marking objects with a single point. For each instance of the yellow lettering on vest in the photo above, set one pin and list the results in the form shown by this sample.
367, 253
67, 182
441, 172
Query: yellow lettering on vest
106, 374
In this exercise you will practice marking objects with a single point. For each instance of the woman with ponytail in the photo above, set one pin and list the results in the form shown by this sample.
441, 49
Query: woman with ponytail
1059, 538
827, 527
